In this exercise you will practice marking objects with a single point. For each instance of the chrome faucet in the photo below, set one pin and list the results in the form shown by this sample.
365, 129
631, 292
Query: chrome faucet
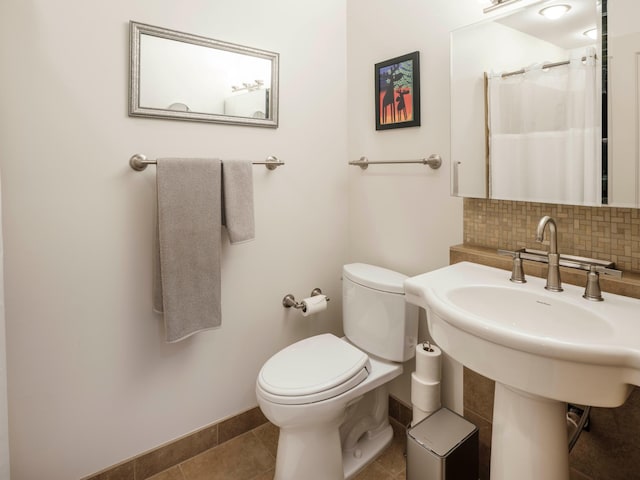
554, 283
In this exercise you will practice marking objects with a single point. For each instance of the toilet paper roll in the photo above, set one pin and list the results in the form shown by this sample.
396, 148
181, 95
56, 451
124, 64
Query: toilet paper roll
419, 415
425, 395
428, 363
314, 304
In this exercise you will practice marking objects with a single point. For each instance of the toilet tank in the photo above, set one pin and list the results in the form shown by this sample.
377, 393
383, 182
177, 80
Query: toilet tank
375, 316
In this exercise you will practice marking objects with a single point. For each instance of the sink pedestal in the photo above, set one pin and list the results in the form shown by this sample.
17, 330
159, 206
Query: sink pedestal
536, 345
529, 440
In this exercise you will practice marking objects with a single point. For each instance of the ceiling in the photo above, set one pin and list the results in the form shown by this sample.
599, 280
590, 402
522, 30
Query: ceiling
566, 32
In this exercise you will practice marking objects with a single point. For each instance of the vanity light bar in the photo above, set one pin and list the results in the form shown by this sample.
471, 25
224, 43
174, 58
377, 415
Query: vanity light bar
139, 162
498, 4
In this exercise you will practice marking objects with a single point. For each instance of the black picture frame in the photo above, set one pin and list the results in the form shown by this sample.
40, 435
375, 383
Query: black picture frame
397, 92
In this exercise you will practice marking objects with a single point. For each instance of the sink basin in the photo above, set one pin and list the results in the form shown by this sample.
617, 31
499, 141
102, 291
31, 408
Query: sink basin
542, 348
554, 344
527, 314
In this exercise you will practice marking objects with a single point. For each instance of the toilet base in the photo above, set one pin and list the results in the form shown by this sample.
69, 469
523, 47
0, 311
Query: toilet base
366, 450
328, 461
340, 445
315, 439
310, 454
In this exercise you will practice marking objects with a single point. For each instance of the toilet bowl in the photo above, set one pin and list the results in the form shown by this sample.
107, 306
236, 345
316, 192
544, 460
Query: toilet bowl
329, 395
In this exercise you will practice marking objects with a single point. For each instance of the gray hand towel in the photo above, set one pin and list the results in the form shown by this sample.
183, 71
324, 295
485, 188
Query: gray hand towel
187, 270
237, 191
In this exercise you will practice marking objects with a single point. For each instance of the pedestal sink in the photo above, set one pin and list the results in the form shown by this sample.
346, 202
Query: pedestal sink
542, 348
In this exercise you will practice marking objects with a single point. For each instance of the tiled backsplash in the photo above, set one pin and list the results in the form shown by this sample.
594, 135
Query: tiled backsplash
605, 233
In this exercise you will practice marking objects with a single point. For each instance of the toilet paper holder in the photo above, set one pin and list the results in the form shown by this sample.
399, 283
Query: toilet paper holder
426, 346
290, 301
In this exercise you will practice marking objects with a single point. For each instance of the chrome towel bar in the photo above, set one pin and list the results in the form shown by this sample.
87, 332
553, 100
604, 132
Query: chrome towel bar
434, 161
139, 162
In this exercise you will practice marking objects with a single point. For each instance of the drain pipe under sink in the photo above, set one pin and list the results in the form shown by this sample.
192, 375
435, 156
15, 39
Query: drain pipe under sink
581, 424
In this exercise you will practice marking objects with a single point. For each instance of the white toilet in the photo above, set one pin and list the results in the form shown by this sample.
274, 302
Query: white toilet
329, 395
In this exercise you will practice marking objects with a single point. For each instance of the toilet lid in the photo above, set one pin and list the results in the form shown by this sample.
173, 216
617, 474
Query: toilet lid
312, 370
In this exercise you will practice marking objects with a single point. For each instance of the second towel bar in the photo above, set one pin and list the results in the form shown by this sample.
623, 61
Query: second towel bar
139, 162
434, 161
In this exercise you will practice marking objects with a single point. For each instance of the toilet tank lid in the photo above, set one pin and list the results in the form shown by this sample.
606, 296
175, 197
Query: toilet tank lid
375, 277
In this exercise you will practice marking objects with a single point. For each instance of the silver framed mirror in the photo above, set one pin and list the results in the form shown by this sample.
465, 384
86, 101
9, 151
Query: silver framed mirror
180, 76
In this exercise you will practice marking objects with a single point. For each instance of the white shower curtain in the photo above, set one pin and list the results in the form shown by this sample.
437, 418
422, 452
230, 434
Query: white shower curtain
543, 134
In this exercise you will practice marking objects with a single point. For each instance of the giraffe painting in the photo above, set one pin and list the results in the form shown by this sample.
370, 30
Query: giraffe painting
398, 92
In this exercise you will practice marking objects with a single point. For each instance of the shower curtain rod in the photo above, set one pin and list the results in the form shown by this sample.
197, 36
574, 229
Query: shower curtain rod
546, 65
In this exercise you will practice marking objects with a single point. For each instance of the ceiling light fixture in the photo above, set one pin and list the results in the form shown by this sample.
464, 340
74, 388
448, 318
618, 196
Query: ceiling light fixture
555, 11
592, 33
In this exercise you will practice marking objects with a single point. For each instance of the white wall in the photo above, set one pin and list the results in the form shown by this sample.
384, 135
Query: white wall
91, 380
402, 217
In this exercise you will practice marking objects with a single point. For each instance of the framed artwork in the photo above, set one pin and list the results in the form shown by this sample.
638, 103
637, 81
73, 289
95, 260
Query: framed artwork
398, 92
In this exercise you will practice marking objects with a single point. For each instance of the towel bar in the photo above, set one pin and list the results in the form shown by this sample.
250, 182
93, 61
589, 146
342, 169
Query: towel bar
139, 162
434, 161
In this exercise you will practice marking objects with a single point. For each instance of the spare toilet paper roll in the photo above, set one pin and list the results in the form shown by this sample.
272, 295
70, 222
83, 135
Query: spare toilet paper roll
314, 304
425, 395
428, 363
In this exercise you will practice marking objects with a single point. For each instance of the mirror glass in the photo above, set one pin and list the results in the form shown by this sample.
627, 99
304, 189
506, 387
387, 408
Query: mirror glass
526, 106
188, 77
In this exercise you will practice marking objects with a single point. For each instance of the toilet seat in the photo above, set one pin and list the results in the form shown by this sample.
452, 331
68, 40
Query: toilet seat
312, 370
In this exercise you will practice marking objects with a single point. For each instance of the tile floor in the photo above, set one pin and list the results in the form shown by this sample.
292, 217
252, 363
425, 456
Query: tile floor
252, 456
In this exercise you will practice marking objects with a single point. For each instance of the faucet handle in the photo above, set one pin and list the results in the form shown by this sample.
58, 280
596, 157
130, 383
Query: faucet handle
607, 271
517, 272
592, 290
